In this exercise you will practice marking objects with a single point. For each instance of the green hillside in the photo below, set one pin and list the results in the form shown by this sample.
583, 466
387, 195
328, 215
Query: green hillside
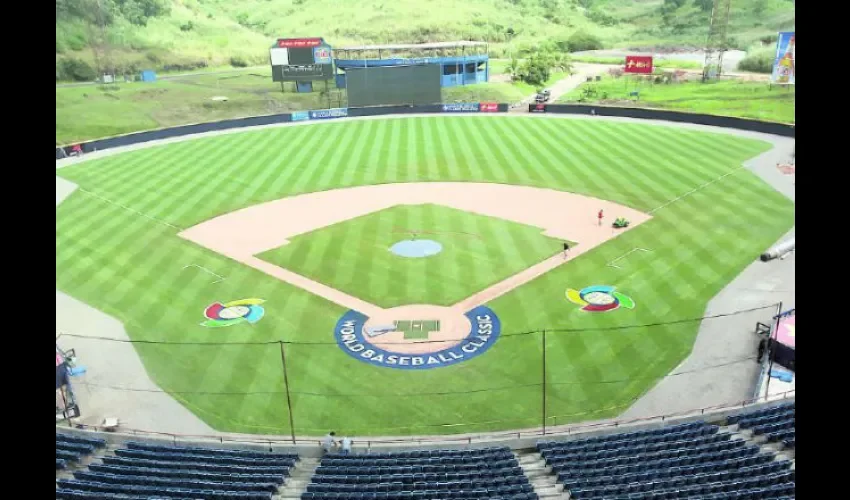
190, 34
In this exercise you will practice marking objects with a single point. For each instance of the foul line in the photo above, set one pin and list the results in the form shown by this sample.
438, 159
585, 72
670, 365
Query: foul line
107, 200
220, 277
626, 255
694, 190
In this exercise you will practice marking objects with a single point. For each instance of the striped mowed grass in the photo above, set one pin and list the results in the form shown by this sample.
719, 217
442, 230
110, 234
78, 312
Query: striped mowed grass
477, 251
131, 266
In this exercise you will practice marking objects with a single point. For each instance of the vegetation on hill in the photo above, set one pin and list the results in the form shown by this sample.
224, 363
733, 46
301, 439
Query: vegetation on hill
756, 100
182, 35
91, 112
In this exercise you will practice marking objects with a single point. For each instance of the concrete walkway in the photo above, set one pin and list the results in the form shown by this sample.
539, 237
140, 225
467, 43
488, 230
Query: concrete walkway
721, 342
114, 364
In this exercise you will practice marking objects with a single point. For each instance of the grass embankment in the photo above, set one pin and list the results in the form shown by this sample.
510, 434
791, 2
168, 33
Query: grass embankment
201, 33
90, 112
658, 63
727, 98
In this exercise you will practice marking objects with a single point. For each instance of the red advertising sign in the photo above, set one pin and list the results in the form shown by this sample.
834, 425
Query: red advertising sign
539, 108
638, 64
488, 107
297, 43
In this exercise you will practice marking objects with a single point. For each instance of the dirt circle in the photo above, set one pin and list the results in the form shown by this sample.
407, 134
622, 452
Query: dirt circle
454, 328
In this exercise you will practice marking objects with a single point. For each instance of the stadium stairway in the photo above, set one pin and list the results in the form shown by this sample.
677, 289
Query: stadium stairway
760, 436
299, 478
68, 467
540, 475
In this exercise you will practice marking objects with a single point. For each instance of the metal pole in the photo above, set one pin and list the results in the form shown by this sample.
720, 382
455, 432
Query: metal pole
770, 341
543, 376
286, 387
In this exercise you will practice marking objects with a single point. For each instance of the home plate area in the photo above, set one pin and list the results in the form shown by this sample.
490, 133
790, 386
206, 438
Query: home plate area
417, 336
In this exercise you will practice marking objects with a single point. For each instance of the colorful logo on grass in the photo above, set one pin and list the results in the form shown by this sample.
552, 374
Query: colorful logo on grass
599, 298
232, 313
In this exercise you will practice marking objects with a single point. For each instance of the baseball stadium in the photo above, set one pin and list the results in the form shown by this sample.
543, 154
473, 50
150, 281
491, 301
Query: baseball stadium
403, 297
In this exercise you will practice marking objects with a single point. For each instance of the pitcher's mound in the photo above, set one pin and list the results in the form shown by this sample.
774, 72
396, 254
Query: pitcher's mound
416, 249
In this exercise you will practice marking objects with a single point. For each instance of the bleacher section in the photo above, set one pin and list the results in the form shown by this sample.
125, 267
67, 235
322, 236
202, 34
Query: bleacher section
489, 473
691, 460
143, 470
777, 423
71, 449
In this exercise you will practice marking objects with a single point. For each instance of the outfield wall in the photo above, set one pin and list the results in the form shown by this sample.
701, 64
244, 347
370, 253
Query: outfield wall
773, 128
254, 121
779, 129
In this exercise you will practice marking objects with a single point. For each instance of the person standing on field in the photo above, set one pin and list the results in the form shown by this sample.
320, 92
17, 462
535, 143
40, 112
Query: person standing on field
600, 216
566, 250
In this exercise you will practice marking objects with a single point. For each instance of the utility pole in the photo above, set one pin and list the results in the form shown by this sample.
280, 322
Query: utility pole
715, 44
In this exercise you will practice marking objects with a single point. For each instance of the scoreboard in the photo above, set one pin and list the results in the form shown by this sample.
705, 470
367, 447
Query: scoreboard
301, 60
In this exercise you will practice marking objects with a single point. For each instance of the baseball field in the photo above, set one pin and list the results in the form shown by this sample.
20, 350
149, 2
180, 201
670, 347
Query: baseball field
218, 252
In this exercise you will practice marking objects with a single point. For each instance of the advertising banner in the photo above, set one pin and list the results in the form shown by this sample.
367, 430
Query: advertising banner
300, 116
538, 108
303, 73
324, 114
461, 107
784, 63
638, 64
488, 107
322, 55
298, 43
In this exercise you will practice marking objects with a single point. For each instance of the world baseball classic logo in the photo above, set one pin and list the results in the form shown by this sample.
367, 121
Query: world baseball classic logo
416, 344
232, 313
599, 298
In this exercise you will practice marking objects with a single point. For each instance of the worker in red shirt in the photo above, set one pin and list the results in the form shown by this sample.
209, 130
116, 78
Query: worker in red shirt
600, 216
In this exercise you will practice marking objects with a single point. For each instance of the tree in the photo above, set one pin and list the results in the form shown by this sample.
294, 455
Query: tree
581, 40
537, 68
514, 67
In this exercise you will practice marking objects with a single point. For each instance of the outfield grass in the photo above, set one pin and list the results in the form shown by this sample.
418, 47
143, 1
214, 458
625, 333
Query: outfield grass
131, 267
483, 250
726, 98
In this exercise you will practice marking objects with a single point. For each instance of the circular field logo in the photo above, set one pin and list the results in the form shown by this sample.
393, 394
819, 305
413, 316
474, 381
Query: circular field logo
232, 313
418, 337
599, 298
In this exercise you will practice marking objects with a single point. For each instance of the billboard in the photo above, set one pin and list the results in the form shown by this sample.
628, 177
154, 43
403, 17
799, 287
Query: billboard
301, 60
324, 114
784, 63
460, 107
298, 116
638, 64
489, 107
302, 73
297, 43
394, 85
322, 55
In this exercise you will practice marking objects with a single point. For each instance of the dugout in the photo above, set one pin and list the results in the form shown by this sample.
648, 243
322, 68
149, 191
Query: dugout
460, 63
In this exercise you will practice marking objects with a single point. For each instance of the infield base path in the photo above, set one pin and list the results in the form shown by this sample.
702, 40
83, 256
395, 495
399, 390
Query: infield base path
245, 233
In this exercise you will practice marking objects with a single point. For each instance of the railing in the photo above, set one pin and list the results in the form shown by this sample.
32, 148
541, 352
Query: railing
517, 436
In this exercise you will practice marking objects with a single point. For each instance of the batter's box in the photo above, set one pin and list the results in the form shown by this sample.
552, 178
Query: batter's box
619, 260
